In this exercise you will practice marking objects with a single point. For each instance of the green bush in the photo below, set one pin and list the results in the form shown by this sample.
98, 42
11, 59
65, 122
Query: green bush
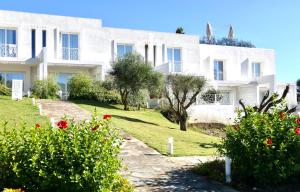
263, 146
139, 99
80, 87
45, 89
79, 156
4, 90
214, 170
104, 92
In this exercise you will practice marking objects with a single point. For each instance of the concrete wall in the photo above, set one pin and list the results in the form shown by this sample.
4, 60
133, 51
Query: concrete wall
235, 59
189, 45
87, 29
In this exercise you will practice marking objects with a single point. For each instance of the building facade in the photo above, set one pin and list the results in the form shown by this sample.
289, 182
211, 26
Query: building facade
35, 46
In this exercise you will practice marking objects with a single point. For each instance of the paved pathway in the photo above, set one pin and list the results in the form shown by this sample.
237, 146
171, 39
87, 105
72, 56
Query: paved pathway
57, 109
145, 168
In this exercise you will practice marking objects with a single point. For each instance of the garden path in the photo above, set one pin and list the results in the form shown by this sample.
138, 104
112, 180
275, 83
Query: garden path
145, 168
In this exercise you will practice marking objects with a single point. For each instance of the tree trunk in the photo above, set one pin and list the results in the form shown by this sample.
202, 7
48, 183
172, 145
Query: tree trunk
183, 124
183, 121
124, 100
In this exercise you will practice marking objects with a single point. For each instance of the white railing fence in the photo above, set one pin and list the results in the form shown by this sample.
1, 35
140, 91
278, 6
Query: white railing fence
220, 98
9, 50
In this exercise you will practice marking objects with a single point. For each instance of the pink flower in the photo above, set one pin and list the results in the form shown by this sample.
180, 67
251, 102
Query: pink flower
298, 121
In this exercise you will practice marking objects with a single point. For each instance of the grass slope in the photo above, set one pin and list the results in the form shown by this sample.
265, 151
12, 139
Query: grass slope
152, 128
16, 113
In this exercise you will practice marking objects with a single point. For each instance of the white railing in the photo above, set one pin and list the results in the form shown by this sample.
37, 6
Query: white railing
70, 53
221, 98
175, 67
9, 50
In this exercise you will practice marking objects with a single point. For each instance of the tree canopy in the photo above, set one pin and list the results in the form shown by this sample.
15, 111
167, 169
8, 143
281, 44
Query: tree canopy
131, 74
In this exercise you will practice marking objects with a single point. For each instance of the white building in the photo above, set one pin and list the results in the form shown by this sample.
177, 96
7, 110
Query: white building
34, 46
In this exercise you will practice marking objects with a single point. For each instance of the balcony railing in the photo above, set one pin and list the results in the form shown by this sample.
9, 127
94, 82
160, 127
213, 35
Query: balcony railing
175, 66
9, 50
221, 98
70, 53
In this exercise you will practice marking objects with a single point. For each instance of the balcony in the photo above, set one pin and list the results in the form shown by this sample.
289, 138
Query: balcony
70, 54
224, 98
9, 50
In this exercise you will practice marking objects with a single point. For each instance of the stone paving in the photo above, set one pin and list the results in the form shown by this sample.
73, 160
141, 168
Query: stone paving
145, 168
148, 170
58, 109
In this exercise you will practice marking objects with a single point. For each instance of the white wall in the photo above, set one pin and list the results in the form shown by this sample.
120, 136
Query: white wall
189, 45
88, 30
234, 58
224, 114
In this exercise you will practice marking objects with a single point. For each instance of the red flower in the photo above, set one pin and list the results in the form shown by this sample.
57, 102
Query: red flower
269, 141
298, 121
282, 115
62, 124
297, 131
106, 116
37, 126
95, 128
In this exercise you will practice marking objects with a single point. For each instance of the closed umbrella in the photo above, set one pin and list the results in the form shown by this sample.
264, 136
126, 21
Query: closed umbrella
209, 32
231, 33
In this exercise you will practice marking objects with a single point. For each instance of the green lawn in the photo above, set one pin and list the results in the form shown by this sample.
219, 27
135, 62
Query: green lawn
16, 113
152, 128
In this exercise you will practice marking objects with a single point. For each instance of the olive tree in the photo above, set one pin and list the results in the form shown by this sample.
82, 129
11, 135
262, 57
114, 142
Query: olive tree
132, 74
181, 92
180, 30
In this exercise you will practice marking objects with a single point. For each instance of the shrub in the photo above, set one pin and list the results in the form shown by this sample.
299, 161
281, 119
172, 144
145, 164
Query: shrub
79, 156
104, 92
263, 146
4, 90
213, 170
80, 87
139, 99
45, 89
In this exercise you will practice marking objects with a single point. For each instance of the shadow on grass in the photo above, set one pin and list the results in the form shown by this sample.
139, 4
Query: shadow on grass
183, 180
208, 145
133, 119
96, 104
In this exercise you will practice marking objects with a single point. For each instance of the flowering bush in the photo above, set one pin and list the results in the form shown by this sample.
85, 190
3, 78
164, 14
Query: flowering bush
71, 157
264, 147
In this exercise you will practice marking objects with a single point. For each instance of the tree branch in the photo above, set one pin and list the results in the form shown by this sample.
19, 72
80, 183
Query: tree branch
244, 108
272, 103
192, 100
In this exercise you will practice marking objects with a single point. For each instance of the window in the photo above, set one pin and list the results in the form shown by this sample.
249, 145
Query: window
70, 47
62, 80
255, 69
174, 59
123, 49
7, 77
44, 36
33, 43
218, 70
8, 43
